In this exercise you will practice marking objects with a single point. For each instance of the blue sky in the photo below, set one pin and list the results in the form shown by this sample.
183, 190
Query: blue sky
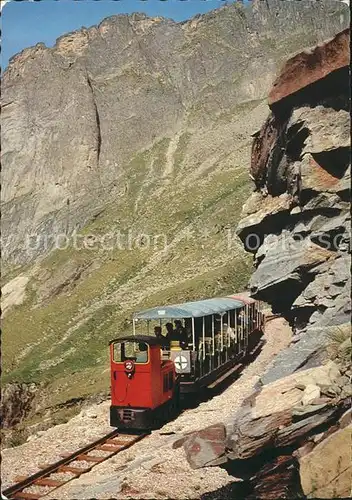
25, 23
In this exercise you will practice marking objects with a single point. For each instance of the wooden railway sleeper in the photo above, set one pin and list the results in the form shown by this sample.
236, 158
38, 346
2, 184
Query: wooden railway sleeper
75, 470
21, 495
54, 483
89, 458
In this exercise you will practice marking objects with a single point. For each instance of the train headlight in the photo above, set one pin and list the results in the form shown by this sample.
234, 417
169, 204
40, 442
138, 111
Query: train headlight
129, 367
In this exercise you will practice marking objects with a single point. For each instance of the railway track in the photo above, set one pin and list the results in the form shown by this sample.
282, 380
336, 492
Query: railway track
71, 466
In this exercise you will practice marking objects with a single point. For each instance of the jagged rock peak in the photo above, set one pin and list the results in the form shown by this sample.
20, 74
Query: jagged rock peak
309, 66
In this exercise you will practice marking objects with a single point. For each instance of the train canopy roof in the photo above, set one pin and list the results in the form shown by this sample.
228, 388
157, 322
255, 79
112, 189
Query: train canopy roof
191, 309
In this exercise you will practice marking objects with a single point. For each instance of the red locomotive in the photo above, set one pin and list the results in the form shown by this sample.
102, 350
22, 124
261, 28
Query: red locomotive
144, 388
149, 373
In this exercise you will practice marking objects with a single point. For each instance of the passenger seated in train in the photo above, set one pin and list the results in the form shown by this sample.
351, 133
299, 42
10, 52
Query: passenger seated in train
181, 334
157, 333
142, 353
163, 340
169, 331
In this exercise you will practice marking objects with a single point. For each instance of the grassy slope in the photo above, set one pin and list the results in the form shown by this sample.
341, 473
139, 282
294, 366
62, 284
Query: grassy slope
59, 335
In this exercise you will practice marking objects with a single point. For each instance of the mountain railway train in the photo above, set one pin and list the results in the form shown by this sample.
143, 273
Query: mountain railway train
151, 373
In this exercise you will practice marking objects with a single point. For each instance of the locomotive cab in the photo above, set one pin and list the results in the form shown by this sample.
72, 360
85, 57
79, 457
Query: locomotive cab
144, 387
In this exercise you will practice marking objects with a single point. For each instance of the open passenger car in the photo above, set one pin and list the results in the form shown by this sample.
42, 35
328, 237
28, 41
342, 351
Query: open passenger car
149, 374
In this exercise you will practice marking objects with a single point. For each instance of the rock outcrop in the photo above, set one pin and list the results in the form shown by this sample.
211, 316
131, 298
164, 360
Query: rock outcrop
74, 116
291, 438
276, 440
16, 403
297, 223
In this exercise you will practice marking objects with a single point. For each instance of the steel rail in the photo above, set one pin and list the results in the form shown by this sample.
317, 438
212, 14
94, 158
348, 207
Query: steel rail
41, 478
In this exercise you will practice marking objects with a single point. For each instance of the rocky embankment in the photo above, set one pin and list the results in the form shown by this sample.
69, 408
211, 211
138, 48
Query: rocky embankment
290, 439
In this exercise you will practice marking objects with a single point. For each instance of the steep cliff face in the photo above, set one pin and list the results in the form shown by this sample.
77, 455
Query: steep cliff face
297, 223
75, 116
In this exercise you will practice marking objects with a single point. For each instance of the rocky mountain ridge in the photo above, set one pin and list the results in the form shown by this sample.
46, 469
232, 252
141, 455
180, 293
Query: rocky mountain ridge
74, 116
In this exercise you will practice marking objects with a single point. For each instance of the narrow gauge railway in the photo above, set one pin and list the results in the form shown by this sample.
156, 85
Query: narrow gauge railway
70, 466
151, 374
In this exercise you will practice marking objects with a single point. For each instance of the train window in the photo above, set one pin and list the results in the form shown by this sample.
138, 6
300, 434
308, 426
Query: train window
138, 351
117, 353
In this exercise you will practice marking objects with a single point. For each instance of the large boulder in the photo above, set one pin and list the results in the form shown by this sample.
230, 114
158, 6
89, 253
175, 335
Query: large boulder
205, 447
17, 401
326, 471
310, 66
